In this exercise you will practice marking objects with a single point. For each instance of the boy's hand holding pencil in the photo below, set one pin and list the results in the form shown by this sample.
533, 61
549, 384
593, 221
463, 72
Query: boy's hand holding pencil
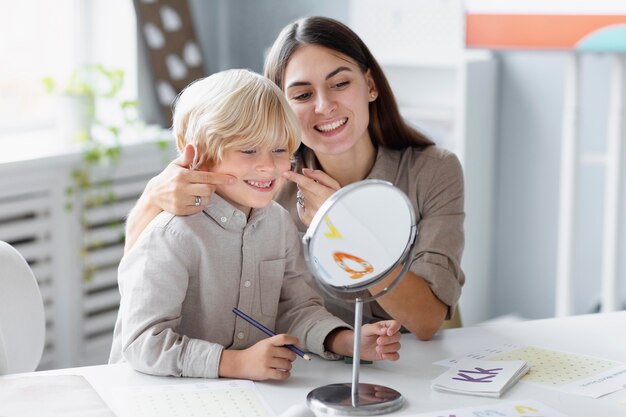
266, 359
270, 358
268, 332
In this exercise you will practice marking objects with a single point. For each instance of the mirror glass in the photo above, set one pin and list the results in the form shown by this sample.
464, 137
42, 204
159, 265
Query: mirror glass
359, 235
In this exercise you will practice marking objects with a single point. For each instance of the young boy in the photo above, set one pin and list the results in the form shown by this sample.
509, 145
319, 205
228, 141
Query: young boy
179, 283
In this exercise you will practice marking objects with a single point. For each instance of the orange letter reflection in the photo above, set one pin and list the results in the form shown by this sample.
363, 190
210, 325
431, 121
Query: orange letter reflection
367, 267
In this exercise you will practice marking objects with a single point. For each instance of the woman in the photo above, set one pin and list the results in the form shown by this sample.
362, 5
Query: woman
351, 130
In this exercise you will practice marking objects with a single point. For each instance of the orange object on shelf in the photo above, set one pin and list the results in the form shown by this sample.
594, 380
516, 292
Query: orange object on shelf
540, 31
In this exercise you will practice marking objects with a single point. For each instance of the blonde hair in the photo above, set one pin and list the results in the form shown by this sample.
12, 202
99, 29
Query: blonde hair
233, 108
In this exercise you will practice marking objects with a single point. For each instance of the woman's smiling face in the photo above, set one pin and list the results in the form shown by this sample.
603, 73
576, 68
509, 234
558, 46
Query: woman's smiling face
330, 95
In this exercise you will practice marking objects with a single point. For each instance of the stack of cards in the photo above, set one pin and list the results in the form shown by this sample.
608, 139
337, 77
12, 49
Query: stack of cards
481, 377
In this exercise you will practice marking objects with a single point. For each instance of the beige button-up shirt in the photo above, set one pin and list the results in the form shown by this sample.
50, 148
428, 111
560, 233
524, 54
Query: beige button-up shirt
184, 275
432, 178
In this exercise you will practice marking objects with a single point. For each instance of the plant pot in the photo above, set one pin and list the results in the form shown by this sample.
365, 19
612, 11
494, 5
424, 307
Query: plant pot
75, 116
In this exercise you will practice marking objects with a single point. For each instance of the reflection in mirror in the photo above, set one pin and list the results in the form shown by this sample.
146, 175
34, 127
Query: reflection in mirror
362, 234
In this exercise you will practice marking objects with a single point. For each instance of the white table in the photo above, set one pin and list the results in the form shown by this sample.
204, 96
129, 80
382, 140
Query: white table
601, 335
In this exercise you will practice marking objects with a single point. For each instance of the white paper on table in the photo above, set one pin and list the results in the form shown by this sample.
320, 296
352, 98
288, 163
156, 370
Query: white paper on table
567, 372
236, 398
517, 408
485, 353
50, 396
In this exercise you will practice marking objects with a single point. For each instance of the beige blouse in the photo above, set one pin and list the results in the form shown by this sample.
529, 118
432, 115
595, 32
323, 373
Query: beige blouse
432, 178
184, 275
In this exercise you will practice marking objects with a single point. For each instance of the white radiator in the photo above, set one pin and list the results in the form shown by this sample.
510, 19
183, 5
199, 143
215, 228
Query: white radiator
26, 223
80, 312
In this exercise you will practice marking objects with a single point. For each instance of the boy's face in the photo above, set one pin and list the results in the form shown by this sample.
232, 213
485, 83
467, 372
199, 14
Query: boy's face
258, 172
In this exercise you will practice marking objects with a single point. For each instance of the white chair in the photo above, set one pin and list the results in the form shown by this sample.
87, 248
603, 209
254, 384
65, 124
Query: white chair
22, 316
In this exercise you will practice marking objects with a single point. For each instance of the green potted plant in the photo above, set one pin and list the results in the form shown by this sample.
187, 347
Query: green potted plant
76, 98
79, 123
87, 87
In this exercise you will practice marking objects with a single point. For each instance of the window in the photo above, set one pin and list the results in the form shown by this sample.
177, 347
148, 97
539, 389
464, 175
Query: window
52, 38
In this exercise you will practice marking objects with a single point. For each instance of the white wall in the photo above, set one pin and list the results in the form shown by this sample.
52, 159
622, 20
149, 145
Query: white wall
527, 189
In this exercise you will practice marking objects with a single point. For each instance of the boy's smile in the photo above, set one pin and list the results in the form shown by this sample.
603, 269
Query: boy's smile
261, 185
259, 175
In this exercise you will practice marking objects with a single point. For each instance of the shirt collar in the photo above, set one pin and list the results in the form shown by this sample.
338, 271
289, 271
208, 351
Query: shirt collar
229, 217
386, 164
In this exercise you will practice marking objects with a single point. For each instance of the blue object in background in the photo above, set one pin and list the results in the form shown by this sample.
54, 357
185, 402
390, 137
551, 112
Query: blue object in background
609, 39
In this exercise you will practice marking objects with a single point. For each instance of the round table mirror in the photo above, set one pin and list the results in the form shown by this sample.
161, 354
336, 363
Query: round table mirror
363, 234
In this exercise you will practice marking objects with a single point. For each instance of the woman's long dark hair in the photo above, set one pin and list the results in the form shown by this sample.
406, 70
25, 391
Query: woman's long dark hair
387, 127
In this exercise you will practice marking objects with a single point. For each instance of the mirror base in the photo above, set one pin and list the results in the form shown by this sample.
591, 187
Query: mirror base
336, 399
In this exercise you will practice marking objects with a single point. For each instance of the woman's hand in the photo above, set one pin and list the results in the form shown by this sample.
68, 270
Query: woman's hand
380, 341
314, 187
175, 189
266, 359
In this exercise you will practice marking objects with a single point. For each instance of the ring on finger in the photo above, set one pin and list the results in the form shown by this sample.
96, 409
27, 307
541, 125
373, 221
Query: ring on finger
198, 201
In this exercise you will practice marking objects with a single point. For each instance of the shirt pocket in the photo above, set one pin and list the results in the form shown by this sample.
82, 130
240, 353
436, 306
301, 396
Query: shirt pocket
271, 275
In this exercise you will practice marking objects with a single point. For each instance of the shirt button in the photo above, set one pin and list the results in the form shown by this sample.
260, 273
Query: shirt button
223, 219
240, 335
247, 284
